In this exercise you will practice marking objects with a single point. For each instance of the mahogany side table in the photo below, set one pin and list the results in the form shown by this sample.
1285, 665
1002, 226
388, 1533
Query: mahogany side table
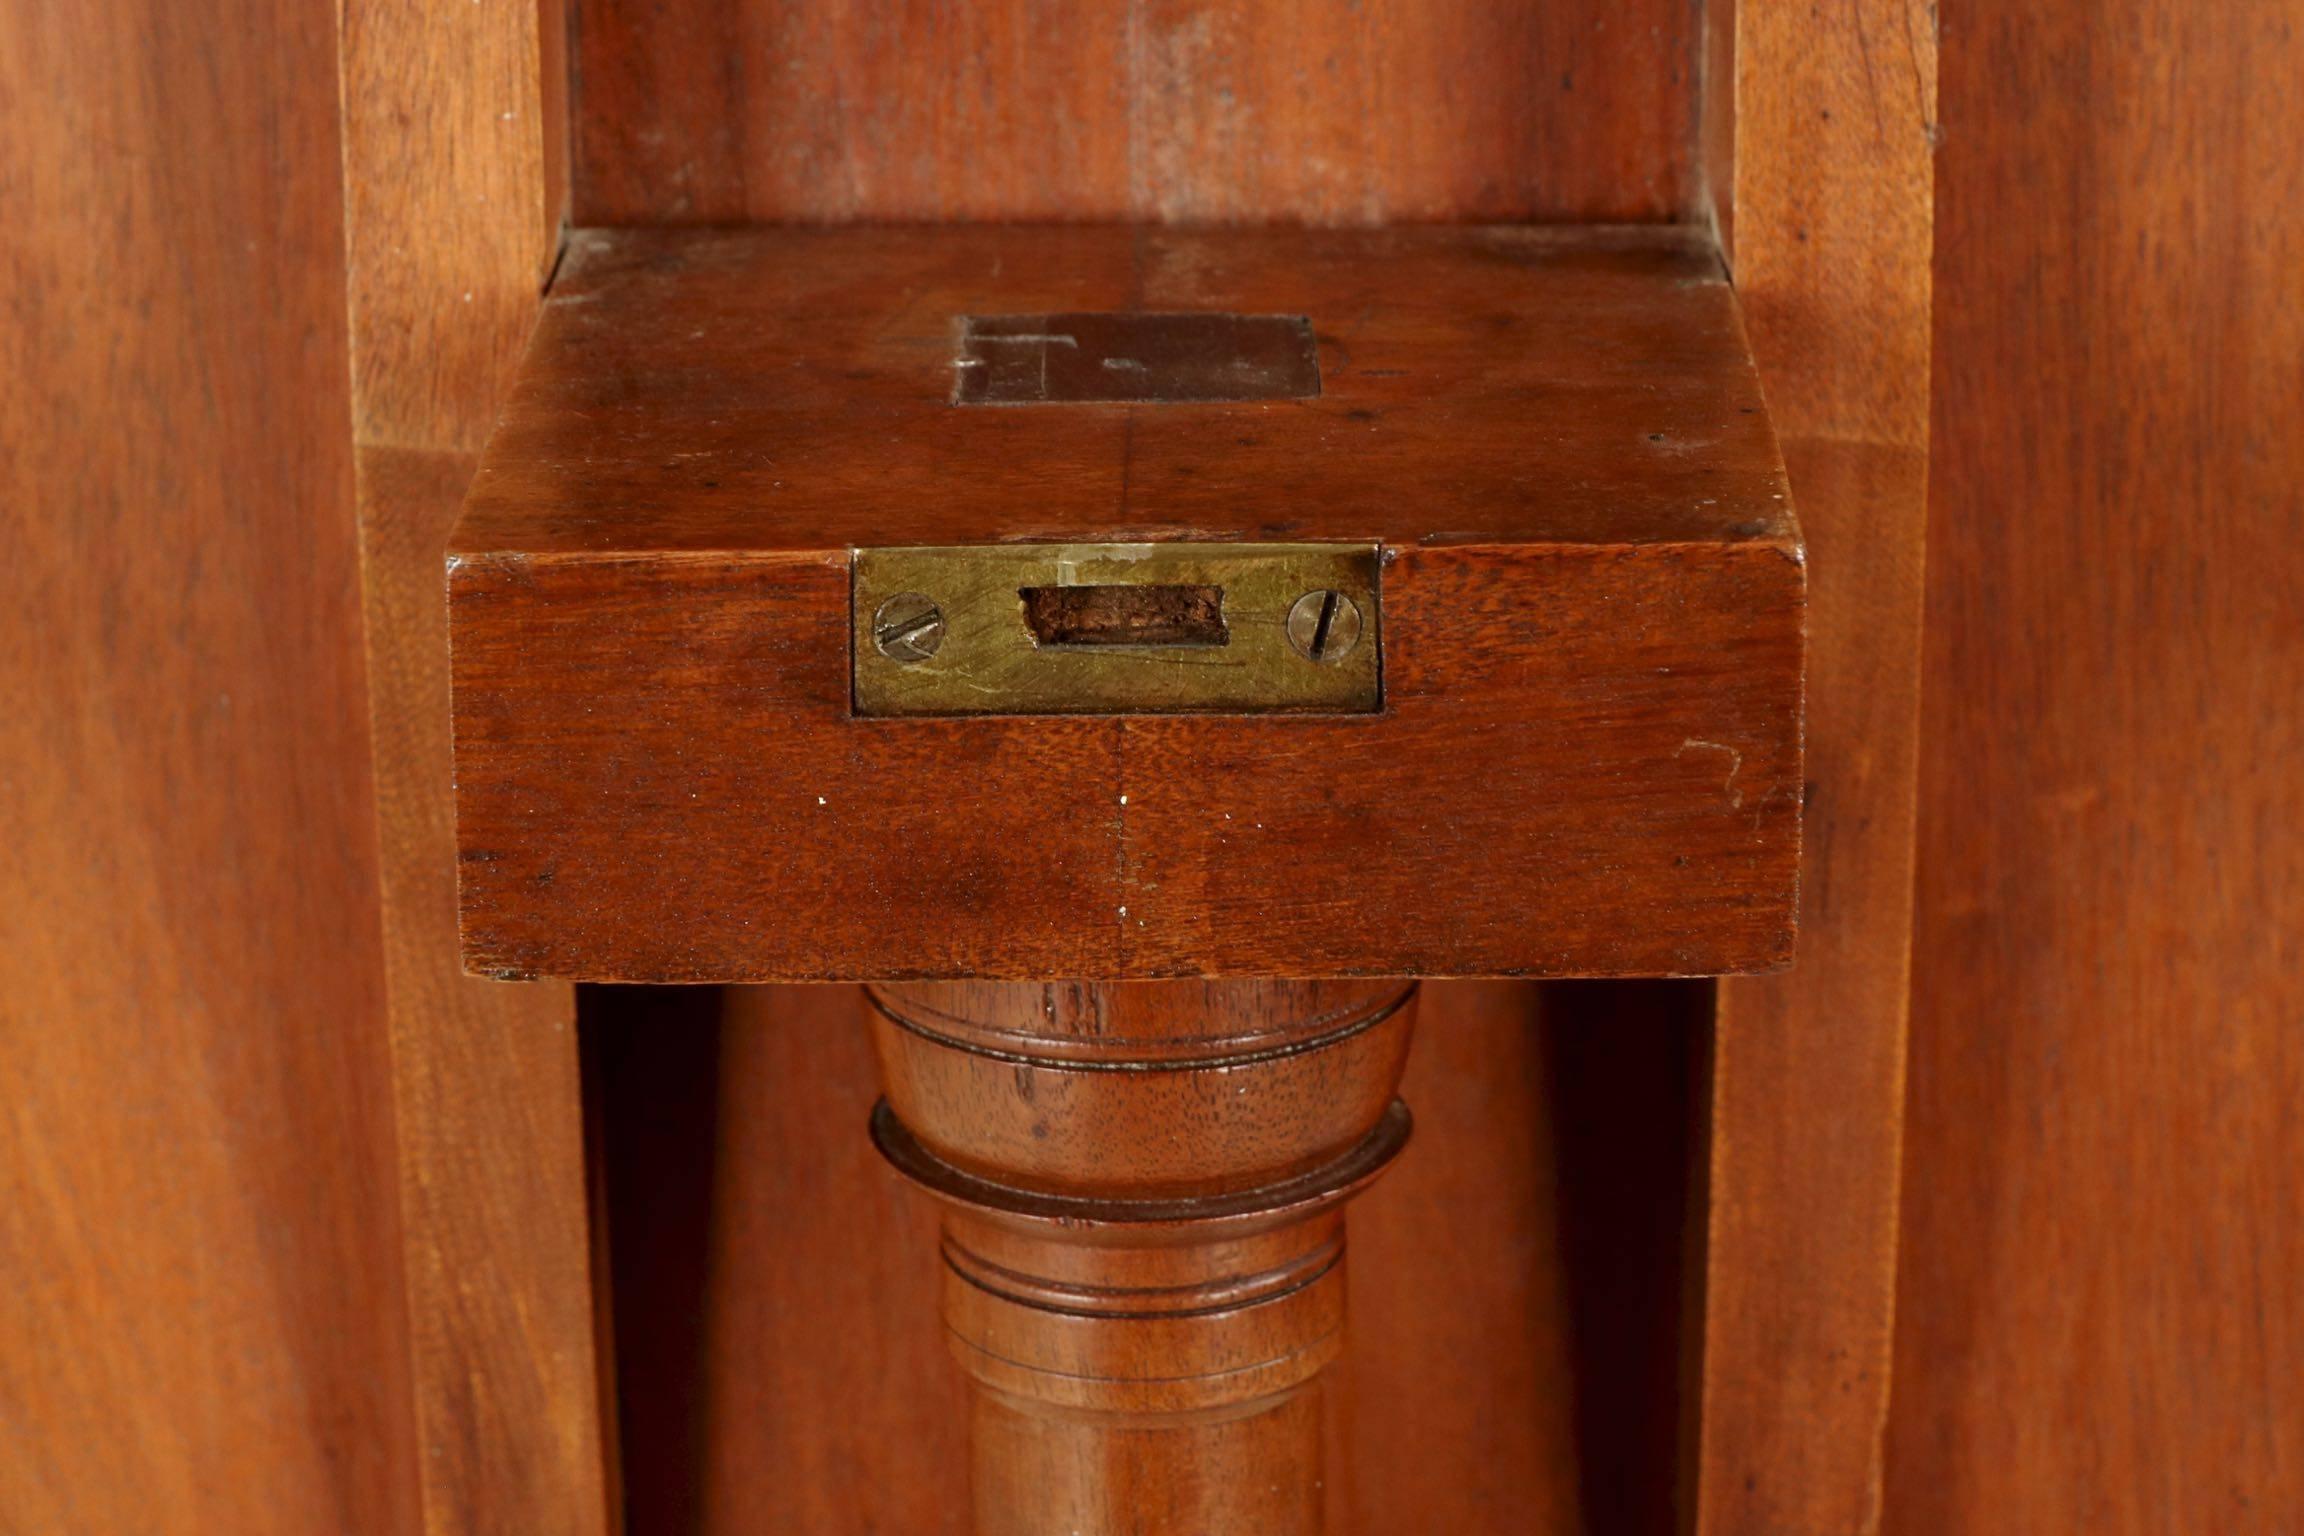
1140, 654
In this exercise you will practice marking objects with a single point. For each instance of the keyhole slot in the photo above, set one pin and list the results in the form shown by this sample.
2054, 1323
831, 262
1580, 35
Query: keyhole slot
1125, 615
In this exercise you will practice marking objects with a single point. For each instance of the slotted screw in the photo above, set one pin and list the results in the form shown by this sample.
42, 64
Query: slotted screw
908, 627
1324, 626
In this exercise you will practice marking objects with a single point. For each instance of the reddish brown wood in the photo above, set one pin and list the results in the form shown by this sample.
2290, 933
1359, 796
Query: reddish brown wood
485, 1097
1716, 123
450, 219
1143, 1234
2098, 1323
1588, 756
722, 391
726, 111
1517, 1306
1832, 136
204, 1328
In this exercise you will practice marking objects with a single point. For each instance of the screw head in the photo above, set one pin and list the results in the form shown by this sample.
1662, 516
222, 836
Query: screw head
908, 627
1324, 626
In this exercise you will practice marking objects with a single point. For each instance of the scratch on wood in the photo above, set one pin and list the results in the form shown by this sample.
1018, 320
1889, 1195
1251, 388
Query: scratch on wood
1735, 766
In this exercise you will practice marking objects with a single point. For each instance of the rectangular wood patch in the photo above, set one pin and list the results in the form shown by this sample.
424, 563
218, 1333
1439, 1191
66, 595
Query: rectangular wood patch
1115, 359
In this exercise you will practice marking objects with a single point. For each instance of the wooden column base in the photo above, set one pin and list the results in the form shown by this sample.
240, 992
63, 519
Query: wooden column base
1143, 1188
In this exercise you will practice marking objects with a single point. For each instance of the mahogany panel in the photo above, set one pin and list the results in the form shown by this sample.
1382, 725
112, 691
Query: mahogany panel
1588, 756
204, 1327
1716, 123
2099, 1324
495, 1235
1832, 131
451, 217
727, 111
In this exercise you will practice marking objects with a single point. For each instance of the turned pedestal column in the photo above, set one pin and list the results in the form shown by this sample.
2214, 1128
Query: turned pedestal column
1143, 1188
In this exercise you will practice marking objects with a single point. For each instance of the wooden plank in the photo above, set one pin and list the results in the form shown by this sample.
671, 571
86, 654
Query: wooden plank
1587, 758
451, 216
485, 1076
719, 111
2099, 1324
1716, 124
447, 214
1833, 129
204, 1327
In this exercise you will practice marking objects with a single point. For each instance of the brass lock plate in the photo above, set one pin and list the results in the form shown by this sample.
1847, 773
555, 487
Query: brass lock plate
1069, 629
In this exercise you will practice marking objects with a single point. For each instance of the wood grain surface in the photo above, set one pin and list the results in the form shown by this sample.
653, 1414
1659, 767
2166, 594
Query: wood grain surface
729, 111
1143, 1192
1716, 123
1833, 124
204, 1327
1178, 1092
1587, 759
2099, 1323
451, 221
714, 391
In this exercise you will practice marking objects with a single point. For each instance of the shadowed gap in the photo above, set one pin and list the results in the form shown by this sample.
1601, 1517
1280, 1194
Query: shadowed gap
1615, 1080
1625, 1064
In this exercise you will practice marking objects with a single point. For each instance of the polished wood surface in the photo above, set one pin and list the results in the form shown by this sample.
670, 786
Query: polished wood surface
789, 391
203, 1328
731, 111
1163, 1091
1588, 757
1143, 1190
451, 222
1829, 212
2099, 1324
485, 1093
